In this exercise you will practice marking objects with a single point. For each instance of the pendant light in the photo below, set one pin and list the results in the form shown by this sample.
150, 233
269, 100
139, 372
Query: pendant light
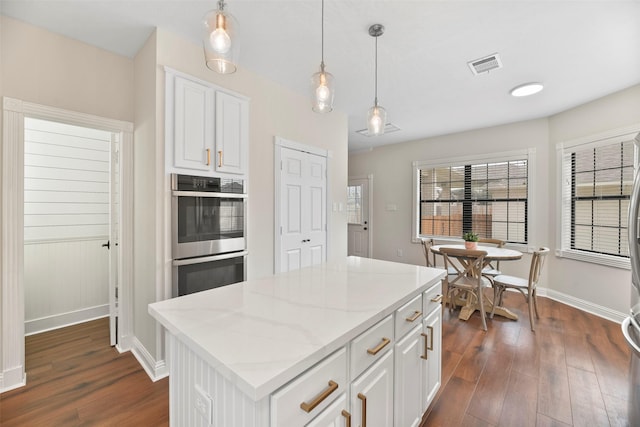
220, 40
322, 82
377, 115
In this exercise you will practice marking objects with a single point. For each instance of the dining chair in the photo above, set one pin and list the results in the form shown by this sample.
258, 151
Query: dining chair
429, 256
491, 270
527, 287
468, 280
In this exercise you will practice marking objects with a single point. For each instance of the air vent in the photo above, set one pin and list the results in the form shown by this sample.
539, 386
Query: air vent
488, 63
388, 128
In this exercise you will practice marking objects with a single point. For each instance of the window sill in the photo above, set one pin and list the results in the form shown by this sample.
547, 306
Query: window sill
608, 260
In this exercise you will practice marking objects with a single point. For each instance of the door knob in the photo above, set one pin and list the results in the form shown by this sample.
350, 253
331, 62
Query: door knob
107, 245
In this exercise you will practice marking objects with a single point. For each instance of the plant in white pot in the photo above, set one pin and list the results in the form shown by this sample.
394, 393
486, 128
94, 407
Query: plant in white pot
470, 240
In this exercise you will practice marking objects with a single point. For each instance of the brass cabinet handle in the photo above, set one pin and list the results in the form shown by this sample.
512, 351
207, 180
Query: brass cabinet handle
437, 298
425, 356
208, 156
415, 316
308, 407
347, 416
430, 328
376, 350
220, 158
364, 408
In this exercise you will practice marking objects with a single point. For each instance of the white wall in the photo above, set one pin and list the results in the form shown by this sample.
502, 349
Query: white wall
604, 290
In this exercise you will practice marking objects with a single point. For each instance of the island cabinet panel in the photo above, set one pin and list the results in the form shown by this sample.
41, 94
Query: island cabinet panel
192, 381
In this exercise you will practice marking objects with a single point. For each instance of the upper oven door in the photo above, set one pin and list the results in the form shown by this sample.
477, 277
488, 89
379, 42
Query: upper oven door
207, 223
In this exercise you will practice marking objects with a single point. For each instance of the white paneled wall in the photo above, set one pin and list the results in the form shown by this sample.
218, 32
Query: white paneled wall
66, 220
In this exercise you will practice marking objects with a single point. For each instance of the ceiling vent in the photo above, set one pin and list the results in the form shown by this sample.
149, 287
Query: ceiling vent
388, 128
488, 63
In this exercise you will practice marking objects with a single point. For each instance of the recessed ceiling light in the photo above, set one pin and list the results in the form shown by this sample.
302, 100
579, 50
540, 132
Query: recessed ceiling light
526, 89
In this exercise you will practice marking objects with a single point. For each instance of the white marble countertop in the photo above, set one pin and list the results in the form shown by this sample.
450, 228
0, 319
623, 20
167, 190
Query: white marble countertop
262, 333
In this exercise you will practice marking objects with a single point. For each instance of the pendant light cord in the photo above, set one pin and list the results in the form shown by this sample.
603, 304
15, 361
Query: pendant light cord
322, 37
376, 75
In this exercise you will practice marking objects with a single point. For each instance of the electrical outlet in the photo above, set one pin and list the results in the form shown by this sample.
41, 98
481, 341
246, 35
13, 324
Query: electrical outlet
203, 404
399, 252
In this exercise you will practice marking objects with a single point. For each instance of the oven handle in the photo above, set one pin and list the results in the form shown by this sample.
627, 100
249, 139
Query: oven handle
201, 259
177, 193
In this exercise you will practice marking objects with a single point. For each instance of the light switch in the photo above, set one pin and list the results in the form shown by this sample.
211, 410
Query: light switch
392, 207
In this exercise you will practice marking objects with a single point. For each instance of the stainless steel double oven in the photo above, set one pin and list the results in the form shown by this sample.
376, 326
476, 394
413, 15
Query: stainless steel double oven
208, 232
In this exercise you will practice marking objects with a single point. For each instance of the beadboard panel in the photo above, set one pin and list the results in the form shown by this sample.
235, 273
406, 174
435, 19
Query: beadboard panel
231, 407
63, 277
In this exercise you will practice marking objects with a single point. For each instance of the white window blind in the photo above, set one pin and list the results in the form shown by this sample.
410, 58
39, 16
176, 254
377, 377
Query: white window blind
66, 181
597, 178
490, 198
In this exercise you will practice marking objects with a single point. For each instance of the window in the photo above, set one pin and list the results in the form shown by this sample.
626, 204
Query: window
597, 178
486, 195
354, 204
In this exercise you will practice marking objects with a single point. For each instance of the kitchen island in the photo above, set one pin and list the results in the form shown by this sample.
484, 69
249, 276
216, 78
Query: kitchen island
292, 348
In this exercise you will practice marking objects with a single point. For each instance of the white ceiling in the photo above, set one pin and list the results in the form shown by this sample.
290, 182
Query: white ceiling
580, 50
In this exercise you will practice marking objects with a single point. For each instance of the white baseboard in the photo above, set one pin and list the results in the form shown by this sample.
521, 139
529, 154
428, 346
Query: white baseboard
12, 378
155, 369
56, 321
588, 306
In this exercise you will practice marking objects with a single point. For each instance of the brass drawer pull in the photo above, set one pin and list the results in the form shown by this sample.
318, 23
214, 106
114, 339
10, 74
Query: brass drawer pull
208, 156
364, 408
437, 298
415, 316
308, 407
347, 417
430, 328
425, 356
220, 158
376, 350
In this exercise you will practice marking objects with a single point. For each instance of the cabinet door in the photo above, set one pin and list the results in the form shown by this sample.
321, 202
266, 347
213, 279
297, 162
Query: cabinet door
372, 395
232, 118
335, 415
408, 378
193, 139
432, 372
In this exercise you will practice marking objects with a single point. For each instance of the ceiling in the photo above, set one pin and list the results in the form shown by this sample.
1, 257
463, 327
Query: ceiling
580, 50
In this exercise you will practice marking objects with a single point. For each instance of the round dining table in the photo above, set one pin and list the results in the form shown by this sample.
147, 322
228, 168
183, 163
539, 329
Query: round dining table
493, 254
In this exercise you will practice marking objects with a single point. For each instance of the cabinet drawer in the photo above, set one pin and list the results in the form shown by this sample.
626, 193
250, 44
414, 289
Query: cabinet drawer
314, 390
432, 298
371, 345
408, 316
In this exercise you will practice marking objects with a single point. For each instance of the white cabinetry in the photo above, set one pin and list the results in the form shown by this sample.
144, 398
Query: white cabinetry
206, 127
418, 358
336, 415
193, 135
231, 133
372, 395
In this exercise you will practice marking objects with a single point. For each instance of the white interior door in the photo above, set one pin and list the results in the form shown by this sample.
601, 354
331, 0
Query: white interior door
358, 222
303, 194
113, 245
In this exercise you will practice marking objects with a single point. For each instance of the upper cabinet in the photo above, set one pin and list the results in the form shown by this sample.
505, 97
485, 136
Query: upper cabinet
206, 127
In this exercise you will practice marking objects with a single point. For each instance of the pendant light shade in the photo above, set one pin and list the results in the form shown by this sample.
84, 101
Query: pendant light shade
377, 115
220, 40
322, 88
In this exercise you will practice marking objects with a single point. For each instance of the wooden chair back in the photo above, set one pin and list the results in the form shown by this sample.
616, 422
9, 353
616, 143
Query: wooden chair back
537, 262
469, 263
429, 256
498, 244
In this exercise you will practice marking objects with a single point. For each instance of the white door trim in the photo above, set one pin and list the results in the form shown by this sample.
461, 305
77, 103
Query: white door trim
12, 365
293, 145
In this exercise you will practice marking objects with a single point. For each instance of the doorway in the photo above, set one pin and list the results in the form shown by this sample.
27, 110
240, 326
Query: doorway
359, 216
71, 211
12, 327
301, 206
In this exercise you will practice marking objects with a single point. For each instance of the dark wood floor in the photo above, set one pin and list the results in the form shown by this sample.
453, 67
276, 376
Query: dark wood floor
571, 371
74, 378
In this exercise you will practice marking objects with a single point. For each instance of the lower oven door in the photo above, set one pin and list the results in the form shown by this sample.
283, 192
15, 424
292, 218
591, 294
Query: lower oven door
203, 273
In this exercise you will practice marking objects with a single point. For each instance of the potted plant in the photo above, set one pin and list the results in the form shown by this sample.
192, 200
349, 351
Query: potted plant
470, 240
